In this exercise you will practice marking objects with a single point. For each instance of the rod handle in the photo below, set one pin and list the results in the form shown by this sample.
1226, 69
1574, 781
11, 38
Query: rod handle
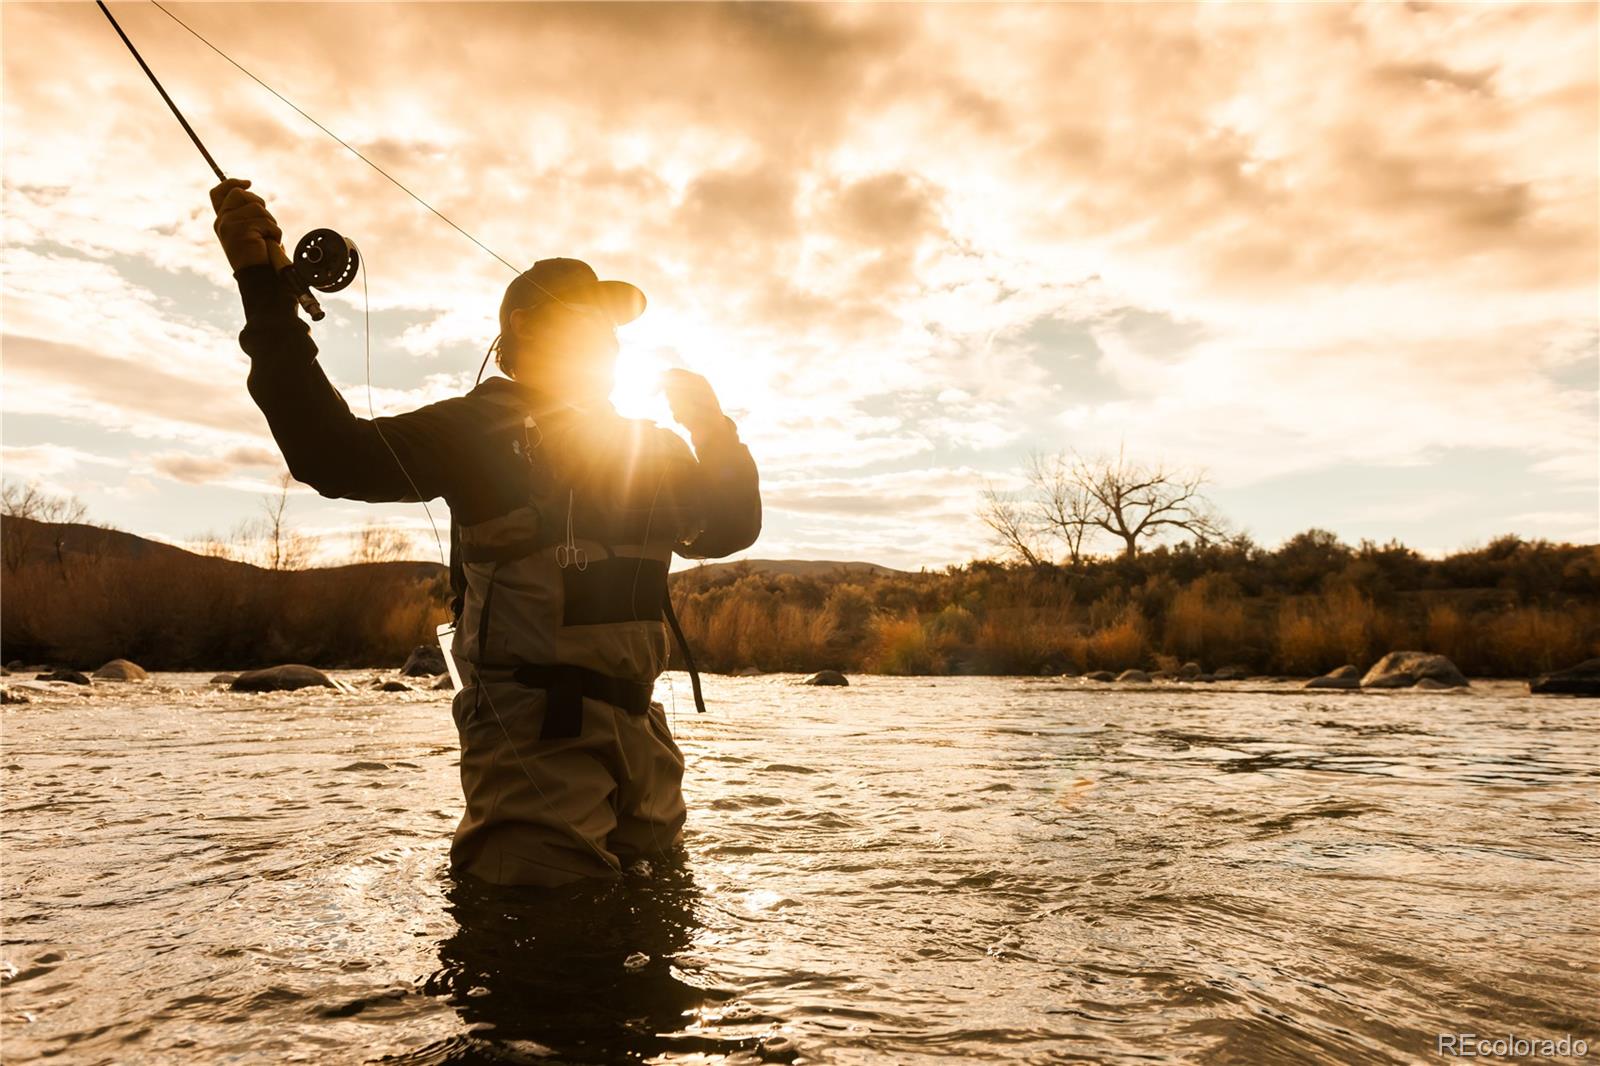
291, 277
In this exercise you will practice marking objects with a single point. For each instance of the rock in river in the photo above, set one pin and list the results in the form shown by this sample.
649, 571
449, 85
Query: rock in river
827, 677
1580, 680
426, 660
1100, 675
63, 675
1136, 676
1344, 677
121, 670
1403, 669
282, 679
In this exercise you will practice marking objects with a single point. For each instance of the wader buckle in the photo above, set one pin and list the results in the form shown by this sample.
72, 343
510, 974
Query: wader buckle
565, 688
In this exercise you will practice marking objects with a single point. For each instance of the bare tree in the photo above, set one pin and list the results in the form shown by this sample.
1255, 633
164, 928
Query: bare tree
54, 515
283, 548
1013, 528
1134, 501
1064, 503
377, 543
1072, 500
216, 545
17, 539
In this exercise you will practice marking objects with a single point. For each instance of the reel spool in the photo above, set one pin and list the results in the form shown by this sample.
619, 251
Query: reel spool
326, 260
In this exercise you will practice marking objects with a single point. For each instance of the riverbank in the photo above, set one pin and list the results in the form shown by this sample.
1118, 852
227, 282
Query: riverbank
1512, 609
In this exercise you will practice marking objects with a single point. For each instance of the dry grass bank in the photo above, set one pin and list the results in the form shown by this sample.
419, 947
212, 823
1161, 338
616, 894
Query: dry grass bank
1511, 609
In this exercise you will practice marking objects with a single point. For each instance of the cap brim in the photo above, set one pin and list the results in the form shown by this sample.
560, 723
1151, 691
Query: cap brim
622, 301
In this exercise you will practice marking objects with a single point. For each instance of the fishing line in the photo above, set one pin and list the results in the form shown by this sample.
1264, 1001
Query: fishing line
366, 341
398, 183
300, 111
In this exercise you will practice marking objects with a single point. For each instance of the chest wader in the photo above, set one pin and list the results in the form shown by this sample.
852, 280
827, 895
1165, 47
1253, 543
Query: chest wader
568, 592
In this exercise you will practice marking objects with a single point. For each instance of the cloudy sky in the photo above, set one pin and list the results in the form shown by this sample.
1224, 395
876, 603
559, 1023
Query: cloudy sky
1344, 259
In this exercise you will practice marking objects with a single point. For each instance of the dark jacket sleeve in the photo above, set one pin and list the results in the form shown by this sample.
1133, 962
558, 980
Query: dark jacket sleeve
728, 491
405, 457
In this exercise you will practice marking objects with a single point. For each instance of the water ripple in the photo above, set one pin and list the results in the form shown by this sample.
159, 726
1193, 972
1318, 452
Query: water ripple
907, 871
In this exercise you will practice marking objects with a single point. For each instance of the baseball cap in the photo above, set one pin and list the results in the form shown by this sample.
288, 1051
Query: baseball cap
573, 281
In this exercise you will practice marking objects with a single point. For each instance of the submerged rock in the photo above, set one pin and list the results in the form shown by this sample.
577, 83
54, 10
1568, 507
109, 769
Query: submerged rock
1403, 669
444, 682
122, 670
1580, 680
425, 660
747, 671
827, 677
392, 685
1100, 675
1233, 672
1190, 671
282, 679
1135, 676
224, 679
1433, 683
73, 676
12, 696
1344, 677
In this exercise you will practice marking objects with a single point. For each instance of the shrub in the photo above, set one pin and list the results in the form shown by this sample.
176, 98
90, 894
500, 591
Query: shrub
1122, 645
901, 646
1206, 622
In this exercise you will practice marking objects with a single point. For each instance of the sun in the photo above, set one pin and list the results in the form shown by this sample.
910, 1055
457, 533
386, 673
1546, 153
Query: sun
656, 342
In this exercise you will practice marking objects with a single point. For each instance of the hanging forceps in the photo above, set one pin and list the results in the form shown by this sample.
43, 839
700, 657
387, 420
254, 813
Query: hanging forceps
569, 554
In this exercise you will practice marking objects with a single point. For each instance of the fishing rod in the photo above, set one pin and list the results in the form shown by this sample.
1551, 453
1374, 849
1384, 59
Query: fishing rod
324, 260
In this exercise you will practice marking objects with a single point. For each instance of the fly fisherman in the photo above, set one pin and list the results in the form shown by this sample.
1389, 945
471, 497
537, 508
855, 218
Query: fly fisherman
564, 519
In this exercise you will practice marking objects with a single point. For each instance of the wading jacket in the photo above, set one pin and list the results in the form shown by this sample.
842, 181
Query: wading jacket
563, 523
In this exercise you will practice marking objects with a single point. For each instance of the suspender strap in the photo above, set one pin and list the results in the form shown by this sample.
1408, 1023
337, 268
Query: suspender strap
688, 658
565, 688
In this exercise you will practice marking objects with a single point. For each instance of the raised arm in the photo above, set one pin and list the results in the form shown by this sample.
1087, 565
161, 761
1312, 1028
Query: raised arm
405, 457
727, 487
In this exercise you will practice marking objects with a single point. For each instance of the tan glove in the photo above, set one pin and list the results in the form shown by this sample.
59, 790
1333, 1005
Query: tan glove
247, 230
693, 402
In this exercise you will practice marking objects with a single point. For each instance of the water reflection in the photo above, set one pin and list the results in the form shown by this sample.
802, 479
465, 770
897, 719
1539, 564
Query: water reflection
593, 972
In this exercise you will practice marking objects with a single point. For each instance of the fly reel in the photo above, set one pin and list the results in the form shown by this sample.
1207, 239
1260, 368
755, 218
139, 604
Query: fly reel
328, 261
323, 260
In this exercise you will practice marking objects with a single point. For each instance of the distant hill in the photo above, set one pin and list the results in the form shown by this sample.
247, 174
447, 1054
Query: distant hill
797, 567
36, 542
28, 542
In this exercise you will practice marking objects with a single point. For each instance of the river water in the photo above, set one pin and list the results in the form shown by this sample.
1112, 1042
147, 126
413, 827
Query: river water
906, 870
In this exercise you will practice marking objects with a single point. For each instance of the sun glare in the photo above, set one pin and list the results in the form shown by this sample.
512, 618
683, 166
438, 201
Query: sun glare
654, 344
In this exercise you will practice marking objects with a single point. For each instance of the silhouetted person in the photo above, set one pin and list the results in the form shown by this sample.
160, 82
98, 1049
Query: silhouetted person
564, 520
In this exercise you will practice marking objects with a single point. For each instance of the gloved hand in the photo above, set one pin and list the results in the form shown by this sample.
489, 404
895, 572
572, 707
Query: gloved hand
694, 404
244, 225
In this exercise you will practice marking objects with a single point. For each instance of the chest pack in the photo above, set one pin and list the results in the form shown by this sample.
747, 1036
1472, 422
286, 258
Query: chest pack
568, 591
